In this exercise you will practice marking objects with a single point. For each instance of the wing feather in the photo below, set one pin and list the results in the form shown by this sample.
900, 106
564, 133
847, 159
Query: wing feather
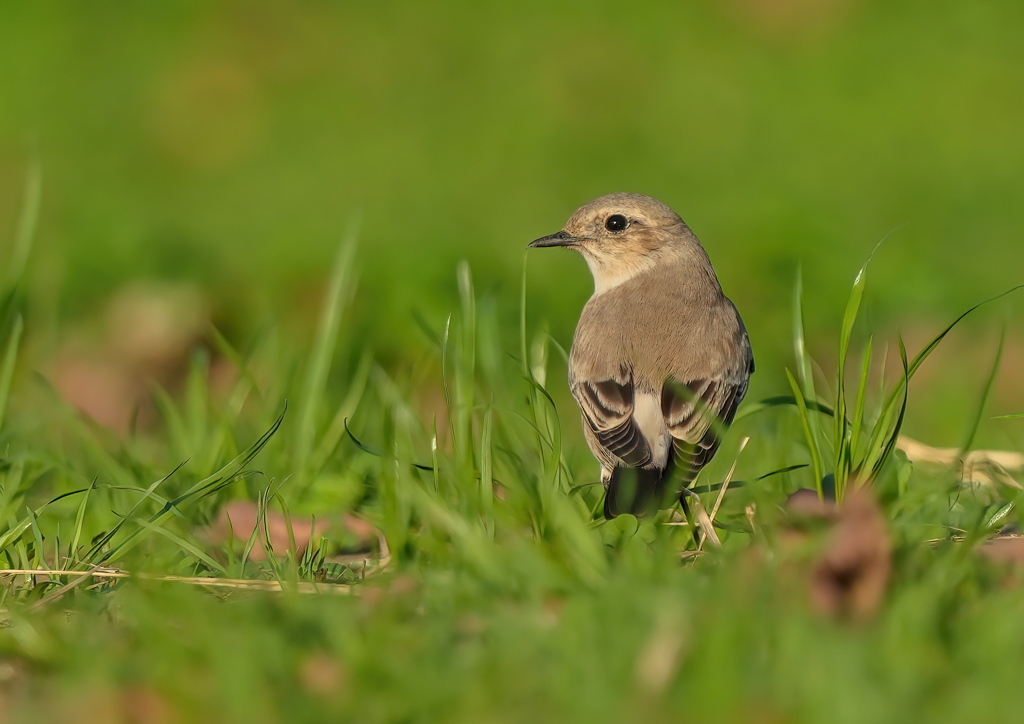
607, 407
697, 412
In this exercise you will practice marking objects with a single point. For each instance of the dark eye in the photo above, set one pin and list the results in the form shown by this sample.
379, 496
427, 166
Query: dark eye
615, 222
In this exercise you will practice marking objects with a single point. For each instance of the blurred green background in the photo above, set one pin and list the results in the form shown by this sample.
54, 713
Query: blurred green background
232, 144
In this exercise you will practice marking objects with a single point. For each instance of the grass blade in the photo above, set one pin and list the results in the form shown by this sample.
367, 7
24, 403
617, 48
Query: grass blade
779, 401
315, 381
986, 394
487, 473
79, 523
877, 461
803, 361
842, 436
7, 369
27, 223
812, 440
859, 404
930, 347
332, 437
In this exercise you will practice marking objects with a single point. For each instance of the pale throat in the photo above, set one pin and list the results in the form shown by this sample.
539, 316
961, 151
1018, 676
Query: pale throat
611, 272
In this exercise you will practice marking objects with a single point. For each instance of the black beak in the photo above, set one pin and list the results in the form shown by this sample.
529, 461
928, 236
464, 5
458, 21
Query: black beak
560, 239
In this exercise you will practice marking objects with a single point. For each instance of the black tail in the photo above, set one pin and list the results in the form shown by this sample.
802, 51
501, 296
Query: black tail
637, 491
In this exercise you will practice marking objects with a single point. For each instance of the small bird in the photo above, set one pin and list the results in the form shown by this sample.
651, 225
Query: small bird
660, 359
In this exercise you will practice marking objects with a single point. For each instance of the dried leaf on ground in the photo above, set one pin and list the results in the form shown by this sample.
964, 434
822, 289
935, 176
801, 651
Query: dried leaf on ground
850, 577
1006, 554
1008, 549
240, 517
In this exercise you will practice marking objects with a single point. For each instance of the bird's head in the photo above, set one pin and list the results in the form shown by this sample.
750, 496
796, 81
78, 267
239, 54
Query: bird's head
621, 235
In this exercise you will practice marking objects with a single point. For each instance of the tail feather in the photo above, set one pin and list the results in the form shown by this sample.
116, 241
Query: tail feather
637, 491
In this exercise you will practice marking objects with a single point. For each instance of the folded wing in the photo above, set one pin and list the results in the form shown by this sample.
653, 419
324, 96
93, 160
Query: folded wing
607, 407
697, 412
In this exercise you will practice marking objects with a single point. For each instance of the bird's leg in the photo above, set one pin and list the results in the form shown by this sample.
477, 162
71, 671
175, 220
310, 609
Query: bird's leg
687, 512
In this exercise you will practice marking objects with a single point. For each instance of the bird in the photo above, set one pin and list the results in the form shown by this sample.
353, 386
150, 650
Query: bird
660, 359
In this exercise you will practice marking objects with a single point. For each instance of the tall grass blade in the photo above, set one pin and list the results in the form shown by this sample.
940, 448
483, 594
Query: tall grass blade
842, 437
894, 434
986, 395
805, 374
76, 537
487, 473
435, 458
377, 453
38, 559
930, 347
27, 223
465, 372
445, 387
7, 368
781, 400
339, 290
330, 439
523, 359
861, 401
803, 361
812, 440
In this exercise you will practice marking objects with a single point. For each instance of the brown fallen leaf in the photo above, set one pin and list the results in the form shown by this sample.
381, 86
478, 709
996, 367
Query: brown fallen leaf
1006, 554
1008, 549
850, 577
239, 518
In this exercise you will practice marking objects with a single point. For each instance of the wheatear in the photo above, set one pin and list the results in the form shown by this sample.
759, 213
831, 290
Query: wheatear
660, 360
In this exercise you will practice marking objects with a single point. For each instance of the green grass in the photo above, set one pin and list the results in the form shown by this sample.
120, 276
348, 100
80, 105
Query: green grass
409, 370
505, 596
